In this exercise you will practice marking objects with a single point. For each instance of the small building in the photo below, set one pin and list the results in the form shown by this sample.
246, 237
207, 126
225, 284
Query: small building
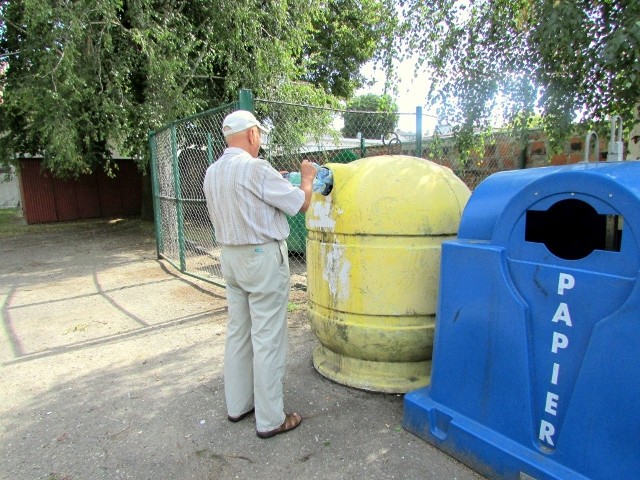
46, 198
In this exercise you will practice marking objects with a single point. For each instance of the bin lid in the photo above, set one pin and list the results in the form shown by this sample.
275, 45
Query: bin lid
561, 215
390, 195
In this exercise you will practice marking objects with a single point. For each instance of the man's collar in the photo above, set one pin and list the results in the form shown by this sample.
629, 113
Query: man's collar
236, 150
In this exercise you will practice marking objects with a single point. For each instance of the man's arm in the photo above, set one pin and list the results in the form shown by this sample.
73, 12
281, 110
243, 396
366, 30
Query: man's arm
308, 174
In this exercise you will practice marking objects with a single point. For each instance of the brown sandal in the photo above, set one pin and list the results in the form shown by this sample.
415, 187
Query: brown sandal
291, 421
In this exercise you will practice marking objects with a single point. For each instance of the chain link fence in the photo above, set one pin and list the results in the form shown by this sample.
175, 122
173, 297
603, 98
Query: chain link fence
182, 151
180, 155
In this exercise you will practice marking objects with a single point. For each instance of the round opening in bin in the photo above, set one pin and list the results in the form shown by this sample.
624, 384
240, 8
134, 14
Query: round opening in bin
571, 229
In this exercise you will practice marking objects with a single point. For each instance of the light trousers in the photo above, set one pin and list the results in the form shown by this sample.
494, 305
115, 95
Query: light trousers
257, 279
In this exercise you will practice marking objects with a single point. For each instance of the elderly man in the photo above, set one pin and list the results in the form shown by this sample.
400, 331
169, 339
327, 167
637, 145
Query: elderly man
247, 200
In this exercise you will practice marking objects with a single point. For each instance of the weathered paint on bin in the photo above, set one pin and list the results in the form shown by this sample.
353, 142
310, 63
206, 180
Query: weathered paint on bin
373, 260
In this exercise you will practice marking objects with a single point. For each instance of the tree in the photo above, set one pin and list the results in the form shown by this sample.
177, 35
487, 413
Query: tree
88, 78
374, 116
566, 59
346, 34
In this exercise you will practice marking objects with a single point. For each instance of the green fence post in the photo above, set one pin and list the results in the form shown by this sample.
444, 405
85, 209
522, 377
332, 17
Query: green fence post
419, 132
363, 148
155, 191
209, 148
178, 193
245, 100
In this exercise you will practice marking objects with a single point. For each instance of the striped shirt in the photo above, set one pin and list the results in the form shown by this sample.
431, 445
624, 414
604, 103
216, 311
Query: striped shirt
247, 199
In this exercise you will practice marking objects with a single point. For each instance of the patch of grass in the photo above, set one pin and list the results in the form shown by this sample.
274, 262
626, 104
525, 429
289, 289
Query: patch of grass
55, 476
81, 327
296, 305
12, 223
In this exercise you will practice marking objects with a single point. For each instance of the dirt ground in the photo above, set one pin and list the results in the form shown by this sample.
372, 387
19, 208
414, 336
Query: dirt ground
111, 368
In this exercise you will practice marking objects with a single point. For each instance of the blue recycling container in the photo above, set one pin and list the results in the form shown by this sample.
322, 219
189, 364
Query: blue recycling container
536, 361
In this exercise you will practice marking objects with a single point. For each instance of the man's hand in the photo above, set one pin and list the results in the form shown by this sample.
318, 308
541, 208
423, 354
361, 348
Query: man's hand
307, 170
308, 173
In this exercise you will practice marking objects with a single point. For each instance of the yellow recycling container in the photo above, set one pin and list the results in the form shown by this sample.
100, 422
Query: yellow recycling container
373, 262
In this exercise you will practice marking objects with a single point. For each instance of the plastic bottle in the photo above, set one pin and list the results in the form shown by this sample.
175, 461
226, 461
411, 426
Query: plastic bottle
323, 183
295, 178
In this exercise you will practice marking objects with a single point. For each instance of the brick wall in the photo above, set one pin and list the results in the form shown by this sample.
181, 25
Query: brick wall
572, 152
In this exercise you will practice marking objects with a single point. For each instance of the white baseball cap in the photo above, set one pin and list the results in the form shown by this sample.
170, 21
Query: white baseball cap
240, 120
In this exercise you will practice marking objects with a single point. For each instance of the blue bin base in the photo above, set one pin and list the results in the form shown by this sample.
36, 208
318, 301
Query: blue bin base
478, 447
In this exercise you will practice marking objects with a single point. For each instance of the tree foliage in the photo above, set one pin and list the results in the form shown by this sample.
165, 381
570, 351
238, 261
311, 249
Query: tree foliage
346, 34
565, 59
90, 77
373, 116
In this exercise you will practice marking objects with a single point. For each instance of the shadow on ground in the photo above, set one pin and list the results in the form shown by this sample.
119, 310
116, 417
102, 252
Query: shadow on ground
111, 369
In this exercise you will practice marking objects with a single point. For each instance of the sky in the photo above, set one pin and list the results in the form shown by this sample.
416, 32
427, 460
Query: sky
412, 92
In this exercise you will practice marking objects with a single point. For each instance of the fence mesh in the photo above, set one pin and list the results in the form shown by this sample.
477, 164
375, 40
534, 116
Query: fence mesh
182, 151
181, 154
